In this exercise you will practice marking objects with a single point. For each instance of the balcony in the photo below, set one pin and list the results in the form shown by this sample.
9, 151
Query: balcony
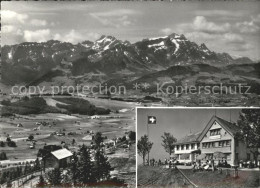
215, 137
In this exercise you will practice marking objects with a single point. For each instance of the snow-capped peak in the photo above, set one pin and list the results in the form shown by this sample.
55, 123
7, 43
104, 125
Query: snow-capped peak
156, 38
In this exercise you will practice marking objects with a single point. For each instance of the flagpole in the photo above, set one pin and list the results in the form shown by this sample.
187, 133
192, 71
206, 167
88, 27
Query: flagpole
148, 140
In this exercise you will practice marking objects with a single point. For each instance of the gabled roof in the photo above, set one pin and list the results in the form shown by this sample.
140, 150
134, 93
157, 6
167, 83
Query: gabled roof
191, 138
61, 153
231, 128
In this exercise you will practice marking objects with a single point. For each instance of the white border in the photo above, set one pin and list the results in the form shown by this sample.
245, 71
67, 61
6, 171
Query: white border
177, 107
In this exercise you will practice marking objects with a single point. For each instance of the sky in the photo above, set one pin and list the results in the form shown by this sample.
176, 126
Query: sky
178, 122
224, 26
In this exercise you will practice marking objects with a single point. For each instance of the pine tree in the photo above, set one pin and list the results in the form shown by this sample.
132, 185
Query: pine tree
102, 166
98, 139
85, 167
37, 165
73, 170
55, 177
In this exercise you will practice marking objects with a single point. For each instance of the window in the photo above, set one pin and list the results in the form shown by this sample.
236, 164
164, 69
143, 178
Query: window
187, 146
215, 132
220, 144
178, 147
182, 147
228, 143
192, 146
198, 145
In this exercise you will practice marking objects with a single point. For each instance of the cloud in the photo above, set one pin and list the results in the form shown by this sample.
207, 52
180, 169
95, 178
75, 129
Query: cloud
8, 29
115, 18
256, 19
12, 30
249, 27
11, 17
200, 23
233, 38
231, 41
214, 13
41, 35
166, 31
76, 37
37, 22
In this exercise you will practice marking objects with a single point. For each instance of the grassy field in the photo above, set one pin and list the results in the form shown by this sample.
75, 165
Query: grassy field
111, 128
148, 176
215, 179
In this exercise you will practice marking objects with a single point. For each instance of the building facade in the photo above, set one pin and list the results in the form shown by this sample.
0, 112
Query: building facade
218, 137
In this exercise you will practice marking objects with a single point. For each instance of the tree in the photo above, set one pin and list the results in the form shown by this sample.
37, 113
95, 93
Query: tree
73, 142
11, 144
30, 137
2, 144
8, 139
85, 167
6, 102
132, 135
55, 177
73, 171
98, 139
144, 147
249, 123
3, 156
168, 142
102, 167
37, 165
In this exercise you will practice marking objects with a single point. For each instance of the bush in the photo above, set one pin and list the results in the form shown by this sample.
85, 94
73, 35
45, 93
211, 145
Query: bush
6, 102
11, 144
3, 156
2, 144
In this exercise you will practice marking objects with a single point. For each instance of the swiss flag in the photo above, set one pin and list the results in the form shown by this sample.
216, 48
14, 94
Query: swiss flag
151, 120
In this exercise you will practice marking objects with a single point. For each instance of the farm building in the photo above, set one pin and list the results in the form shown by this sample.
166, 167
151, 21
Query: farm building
19, 125
59, 158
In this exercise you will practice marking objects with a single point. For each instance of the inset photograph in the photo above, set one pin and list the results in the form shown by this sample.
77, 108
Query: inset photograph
198, 147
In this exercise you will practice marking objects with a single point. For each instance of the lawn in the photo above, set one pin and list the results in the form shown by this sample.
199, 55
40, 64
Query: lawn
225, 179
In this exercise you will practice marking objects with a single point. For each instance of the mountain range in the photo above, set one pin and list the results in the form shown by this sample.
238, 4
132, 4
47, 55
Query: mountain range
109, 60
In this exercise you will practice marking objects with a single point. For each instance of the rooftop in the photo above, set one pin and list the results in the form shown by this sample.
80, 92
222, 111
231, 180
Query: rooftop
191, 138
232, 127
61, 153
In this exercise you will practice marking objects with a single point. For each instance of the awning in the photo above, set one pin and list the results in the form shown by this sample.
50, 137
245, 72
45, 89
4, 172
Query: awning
185, 156
198, 151
201, 156
174, 156
219, 155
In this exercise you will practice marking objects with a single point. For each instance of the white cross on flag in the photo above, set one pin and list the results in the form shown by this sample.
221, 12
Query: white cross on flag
151, 120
